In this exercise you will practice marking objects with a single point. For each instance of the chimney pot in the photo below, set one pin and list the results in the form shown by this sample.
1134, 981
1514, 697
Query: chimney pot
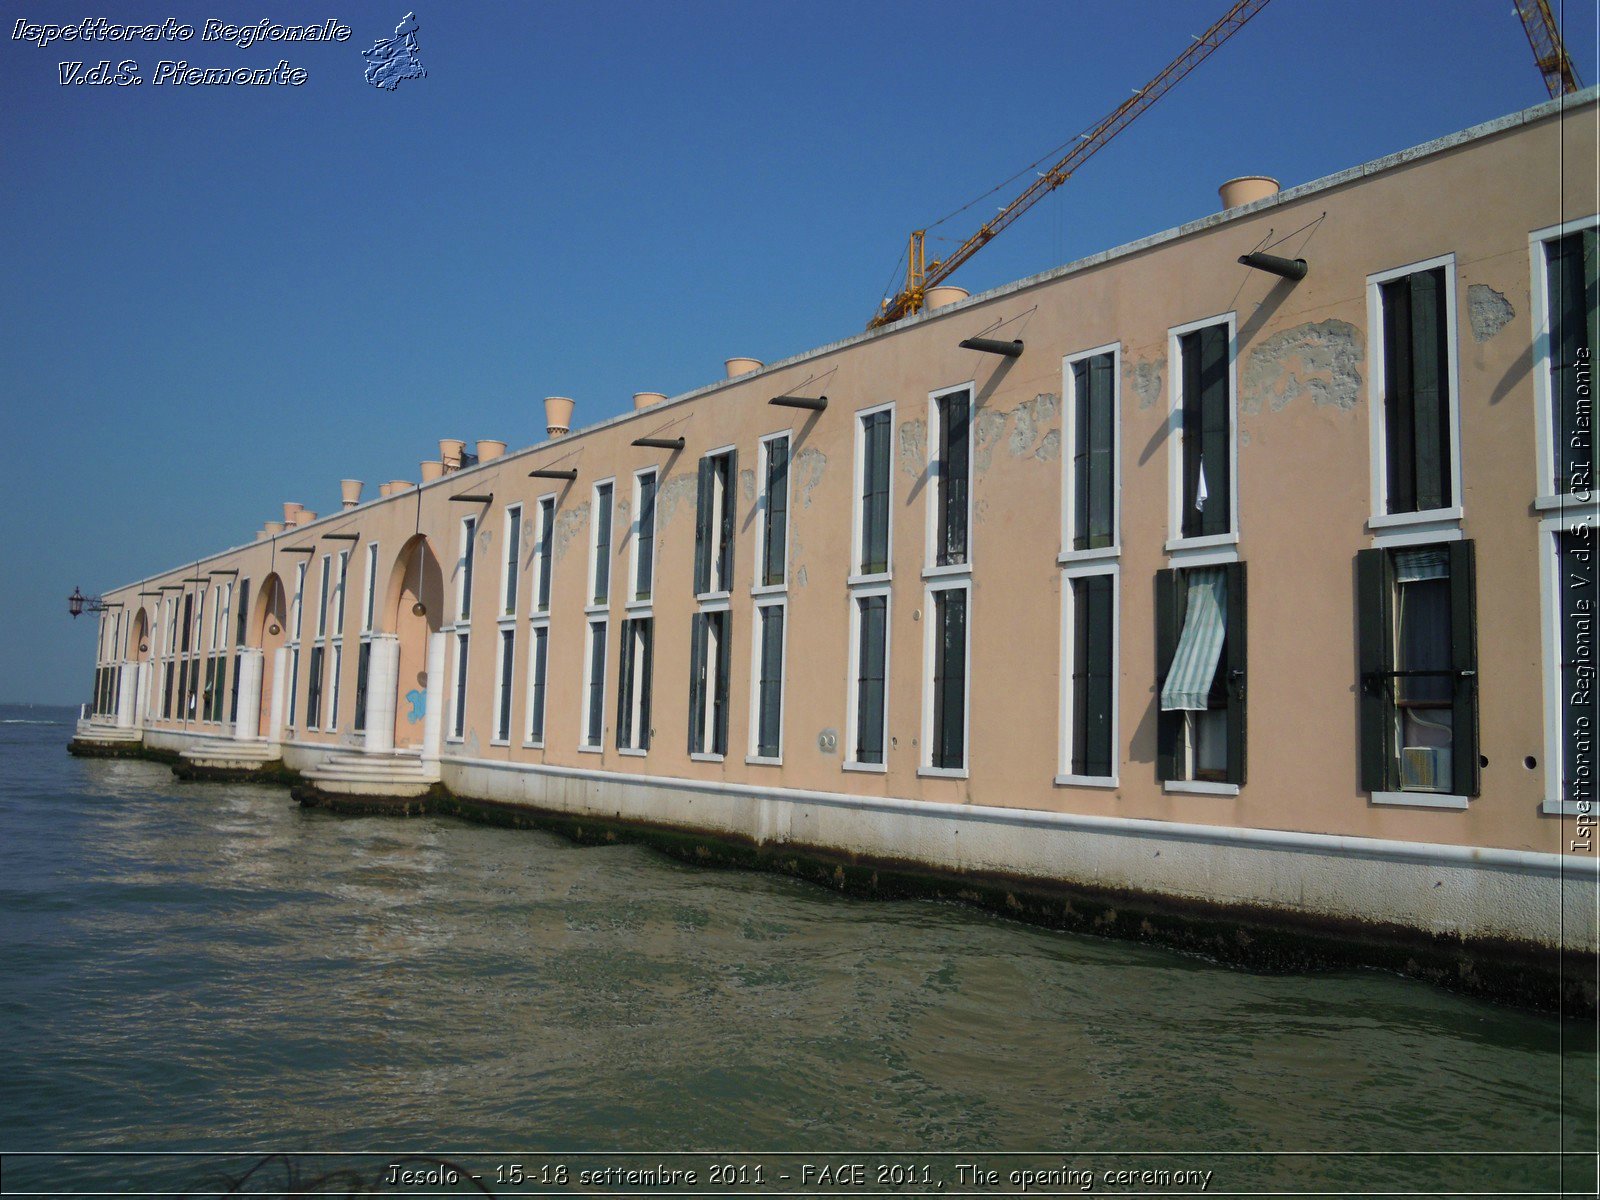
289, 510
432, 470
943, 294
646, 399
1247, 189
450, 450
489, 449
273, 528
742, 366
350, 492
558, 415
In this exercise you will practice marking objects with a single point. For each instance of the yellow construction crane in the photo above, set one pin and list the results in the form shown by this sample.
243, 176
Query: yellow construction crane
1549, 51
1549, 54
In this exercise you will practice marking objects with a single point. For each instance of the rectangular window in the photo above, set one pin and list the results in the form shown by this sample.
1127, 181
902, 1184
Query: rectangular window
768, 726
710, 653
1577, 594
513, 561
871, 630
294, 685
469, 539
947, 735
538, 653
644, 534
314, 689
713, 529
594, 692
369, 602
335, 662
774, 511
1416, 393
241, 627
502, 703
542, 555
458, 704
1573, 307
1200, 675
166, 699
952, 413
601, 566
363, 665
1091, 657
188, 617
299, 599
1206, 416
207, 688
322, 601
1418, 683
338, 607
872, 530
1092, 485
633, 686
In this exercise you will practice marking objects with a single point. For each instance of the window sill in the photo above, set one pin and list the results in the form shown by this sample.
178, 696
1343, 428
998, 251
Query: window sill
506, 742
630, 752
770, 589
602, 609
1199, 787
1428, 516
1420, 800
638, 608
865, 768
712, 597
533, 745
1567, 808
756, 760
542, 617
1068, 558
701, 756
866, 580
942, 773
1200, 551
1571, 502
948, 571
713, 602
1094, 781
591, 749
507, 620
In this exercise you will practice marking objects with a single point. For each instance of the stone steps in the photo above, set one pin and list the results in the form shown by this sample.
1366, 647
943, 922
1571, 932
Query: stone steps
357, 774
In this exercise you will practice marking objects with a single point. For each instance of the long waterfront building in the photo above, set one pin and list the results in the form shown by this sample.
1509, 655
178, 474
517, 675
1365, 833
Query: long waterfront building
1194, 585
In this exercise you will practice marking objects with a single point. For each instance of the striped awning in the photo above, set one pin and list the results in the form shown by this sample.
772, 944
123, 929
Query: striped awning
1194, 664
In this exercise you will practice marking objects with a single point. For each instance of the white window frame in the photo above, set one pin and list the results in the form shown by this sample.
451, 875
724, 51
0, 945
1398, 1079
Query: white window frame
545, 506
599, 616
637, 607
590, 606
930, 552
925, 767
322, 596
1430, 523
528, 740
759, 559
331, 687
468, 536
340, 584
720, 580
636, 701
509, 561
1550, 592
460, 682
708, 728
1064, 774
852, 666
1217, 547
857, 515
1547, 495
507, 696
1069, 449
770, 597
369, 600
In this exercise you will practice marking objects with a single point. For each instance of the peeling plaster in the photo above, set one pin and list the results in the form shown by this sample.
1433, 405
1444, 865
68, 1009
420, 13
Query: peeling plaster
986, 433
747, 484
1322, 361
668, 496
1027, 435
805, 472
914, 447
1489, 311
569, 525
1029, 418
1049, 447
800, 578
1145, 380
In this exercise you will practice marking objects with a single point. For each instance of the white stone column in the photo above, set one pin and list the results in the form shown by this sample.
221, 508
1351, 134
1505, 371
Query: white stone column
248, 720
383, 680
280, 694
127, 692
433, 718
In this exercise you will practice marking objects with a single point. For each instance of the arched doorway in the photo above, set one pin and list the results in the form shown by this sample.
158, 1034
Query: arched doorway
415, 606
269, 631
140, 645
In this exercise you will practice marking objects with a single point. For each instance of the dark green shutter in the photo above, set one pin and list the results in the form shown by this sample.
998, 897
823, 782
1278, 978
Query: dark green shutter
953, 473
771, 685
875, 497
645, 556
724, 668
1101, 469
1464, 661
777, 511
1236, 679
730, 491
1215, 440
1171, 602
1430, 389
647, 652
1191, 522
625, 669
949, 679
1091, 675
697, 678
702, 529
1374, 662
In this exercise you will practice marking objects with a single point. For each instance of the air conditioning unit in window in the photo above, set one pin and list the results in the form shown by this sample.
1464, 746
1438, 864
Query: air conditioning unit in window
1425, 768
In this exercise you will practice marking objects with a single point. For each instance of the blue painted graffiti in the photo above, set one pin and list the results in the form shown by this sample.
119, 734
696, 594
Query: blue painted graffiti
418, 699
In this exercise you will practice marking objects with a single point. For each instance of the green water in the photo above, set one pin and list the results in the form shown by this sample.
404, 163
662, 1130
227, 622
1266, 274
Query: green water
211, 968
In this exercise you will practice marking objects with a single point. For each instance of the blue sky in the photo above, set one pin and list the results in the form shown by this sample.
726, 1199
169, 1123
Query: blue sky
215, 299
